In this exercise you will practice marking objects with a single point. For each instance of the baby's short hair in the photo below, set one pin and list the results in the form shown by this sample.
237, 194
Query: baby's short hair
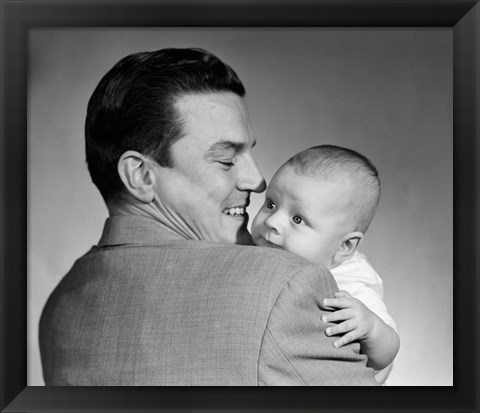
331, 162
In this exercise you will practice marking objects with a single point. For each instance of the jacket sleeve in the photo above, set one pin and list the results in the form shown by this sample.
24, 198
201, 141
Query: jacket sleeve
295, 349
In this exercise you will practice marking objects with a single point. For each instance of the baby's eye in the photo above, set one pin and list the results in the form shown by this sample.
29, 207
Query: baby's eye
297, 220
269, 204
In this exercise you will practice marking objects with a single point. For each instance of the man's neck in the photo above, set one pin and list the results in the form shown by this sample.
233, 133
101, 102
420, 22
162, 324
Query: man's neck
146, 210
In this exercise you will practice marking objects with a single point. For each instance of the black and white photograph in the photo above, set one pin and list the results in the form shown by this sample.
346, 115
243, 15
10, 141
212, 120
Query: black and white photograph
301, 137
199, 198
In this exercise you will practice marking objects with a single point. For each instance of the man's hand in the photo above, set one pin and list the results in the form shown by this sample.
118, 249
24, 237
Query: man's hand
358, 322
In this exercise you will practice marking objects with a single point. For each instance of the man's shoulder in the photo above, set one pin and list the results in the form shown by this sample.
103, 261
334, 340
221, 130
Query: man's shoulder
248, 265
226, 266
252, 256
264, 253
276, 265
249, 254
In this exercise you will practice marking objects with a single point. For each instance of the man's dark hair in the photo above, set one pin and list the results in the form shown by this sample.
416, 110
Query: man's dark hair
133, 107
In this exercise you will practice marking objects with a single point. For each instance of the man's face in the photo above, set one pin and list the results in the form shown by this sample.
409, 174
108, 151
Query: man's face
206, 193
304, 215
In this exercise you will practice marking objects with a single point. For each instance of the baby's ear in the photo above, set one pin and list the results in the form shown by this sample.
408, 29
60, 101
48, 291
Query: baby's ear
348, 247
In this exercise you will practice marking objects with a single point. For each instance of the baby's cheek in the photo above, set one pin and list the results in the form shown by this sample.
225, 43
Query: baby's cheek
257, 222
295, 246
254, 230
306, 250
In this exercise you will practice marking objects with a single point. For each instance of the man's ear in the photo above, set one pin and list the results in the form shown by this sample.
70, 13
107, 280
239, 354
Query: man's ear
136, 173
347, 248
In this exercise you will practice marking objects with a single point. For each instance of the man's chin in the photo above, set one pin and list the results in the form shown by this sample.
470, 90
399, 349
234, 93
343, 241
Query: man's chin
237, 230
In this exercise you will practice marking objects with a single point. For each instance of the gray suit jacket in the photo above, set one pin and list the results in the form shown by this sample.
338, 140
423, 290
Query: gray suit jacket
147, 307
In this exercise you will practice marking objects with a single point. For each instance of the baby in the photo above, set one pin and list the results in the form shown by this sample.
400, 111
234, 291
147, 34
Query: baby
319, 205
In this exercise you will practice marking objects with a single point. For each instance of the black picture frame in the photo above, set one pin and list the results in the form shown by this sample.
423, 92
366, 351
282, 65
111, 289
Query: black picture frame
17, 17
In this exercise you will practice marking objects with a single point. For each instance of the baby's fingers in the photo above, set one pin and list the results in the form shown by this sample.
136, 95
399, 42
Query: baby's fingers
342, 293
345, 327
345, 339
338, 302
341, 328
339, 315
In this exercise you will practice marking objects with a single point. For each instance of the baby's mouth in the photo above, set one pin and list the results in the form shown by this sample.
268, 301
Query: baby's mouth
267, 243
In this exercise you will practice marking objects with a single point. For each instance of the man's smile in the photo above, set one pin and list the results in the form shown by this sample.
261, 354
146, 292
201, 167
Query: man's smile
234, 211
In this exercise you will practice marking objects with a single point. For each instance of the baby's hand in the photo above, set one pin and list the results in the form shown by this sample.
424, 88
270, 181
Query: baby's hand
358, 321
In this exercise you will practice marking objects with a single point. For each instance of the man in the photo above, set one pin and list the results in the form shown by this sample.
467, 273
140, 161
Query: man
166, 298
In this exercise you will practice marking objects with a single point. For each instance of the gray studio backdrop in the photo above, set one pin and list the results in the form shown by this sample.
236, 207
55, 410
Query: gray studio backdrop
386, 93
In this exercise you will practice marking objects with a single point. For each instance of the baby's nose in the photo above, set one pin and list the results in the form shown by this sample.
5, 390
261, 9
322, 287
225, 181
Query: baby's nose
273, 223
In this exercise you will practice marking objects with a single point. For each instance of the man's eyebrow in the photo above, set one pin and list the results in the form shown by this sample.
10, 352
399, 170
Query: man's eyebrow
220, 147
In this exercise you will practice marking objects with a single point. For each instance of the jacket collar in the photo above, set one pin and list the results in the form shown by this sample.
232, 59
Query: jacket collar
131, 229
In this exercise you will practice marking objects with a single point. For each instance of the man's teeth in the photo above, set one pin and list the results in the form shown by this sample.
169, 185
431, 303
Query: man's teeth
235, 211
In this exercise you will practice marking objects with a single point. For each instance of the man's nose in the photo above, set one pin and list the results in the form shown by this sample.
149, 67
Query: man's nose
250, 177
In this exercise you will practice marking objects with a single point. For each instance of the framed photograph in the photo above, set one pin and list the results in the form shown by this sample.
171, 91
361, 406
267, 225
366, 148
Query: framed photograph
397, 81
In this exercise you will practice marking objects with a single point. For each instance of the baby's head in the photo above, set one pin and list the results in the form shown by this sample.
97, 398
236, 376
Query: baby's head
319, 205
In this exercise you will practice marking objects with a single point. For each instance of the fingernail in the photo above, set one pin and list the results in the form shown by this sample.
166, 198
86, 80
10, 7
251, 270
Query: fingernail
327, 331
324, 318
335, 344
